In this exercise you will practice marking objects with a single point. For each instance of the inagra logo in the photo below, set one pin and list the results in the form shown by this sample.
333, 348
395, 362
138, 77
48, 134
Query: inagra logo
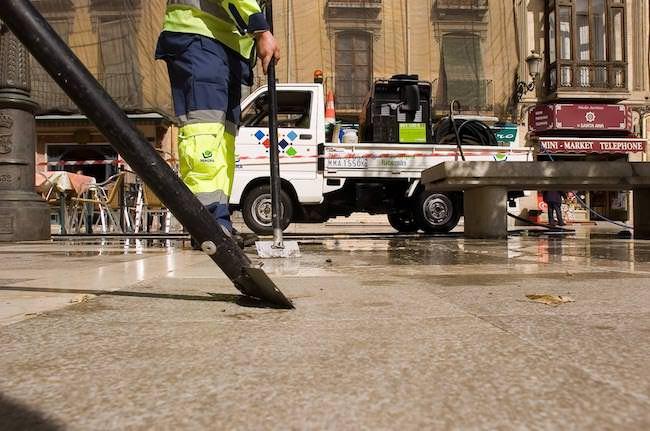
207, 154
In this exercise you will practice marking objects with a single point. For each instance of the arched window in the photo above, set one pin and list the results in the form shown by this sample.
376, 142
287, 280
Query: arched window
353, 70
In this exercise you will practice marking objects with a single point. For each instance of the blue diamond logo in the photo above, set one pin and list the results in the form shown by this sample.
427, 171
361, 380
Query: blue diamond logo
283, 144
259, 135
292, 136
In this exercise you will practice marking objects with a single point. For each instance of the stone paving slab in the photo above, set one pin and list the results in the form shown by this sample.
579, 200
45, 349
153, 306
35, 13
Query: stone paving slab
432, 334
195, 365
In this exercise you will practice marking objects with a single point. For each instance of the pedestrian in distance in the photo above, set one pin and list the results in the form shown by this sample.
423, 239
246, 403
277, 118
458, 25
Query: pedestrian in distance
210, 48
553, 200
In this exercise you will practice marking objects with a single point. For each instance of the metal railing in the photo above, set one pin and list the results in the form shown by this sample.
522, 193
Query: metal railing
354, 3
461, 4
125, 88
585, 76
479, 100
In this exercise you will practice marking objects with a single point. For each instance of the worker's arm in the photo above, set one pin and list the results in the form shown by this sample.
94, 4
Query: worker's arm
267, 49
249, 19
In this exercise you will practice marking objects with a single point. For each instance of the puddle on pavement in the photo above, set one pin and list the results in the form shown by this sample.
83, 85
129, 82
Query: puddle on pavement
524, 279
351, 251
459, 251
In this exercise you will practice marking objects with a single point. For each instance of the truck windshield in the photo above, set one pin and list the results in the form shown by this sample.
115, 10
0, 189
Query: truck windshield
294, 109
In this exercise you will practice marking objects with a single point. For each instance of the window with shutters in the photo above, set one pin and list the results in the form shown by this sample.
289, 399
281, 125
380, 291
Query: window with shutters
353, 73
460, 28
47, 93
118, 68
116, 23
462, 76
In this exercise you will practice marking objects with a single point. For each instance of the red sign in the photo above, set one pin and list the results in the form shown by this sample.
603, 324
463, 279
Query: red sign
583, 146
580, 117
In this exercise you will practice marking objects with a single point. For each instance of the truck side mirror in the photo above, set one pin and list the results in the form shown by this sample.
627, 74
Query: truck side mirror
410, 98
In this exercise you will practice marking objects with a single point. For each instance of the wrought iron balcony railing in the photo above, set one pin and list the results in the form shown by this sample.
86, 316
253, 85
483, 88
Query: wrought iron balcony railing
587, 76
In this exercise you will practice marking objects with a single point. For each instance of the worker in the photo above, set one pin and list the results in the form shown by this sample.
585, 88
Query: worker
210, 47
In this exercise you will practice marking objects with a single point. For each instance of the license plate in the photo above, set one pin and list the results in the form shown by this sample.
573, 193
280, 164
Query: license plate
352, 163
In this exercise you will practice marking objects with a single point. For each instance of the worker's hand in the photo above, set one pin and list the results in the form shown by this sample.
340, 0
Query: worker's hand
267, 49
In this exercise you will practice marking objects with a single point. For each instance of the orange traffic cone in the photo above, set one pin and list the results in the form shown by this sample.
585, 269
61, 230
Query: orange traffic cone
330, 113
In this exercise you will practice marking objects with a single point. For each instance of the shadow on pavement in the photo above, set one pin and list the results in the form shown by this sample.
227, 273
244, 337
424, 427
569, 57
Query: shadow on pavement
242, 301
15, 416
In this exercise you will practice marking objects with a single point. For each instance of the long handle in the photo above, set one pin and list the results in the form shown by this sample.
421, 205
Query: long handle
73, 77
276, 206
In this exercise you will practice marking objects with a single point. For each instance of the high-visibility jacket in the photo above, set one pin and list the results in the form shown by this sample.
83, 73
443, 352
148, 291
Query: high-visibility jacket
231, 22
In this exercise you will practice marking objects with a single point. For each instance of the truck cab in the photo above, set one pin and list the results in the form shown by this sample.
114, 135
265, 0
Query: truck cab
301, 114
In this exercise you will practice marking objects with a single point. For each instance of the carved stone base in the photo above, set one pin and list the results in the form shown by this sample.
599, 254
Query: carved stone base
24, 218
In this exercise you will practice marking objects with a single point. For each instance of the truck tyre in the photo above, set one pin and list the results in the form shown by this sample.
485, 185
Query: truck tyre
436, 212
256, 210
403, 222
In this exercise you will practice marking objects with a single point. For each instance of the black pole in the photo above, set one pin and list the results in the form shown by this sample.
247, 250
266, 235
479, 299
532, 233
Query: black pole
73, 77
276, 207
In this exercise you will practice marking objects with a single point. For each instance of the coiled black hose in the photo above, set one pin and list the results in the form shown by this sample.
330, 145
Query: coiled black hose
463, 132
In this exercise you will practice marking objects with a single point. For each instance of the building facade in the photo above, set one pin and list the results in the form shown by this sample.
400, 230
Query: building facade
593, 83
594, 67
466, 48
115, 41
591, 98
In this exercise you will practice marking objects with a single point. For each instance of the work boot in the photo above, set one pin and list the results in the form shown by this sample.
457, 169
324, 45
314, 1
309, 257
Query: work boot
244, 239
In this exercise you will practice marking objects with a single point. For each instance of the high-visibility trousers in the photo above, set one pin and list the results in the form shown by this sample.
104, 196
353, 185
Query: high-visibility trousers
206, 80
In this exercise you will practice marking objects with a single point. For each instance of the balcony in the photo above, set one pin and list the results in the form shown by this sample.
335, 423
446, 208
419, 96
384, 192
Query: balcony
50, 97
474, 97
354, 4
345, 15
124, 88
349, 9
461, 4
473, 10
605, 80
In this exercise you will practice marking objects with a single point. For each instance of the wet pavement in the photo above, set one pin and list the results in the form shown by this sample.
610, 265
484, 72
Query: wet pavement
389, 333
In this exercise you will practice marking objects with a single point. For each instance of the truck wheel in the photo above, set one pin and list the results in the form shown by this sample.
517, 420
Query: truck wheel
436, 212
403, 222
256, 210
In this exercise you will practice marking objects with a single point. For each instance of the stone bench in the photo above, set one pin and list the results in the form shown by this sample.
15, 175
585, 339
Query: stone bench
486, 186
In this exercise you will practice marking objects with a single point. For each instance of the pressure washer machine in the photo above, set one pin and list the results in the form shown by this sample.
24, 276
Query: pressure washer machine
397, 110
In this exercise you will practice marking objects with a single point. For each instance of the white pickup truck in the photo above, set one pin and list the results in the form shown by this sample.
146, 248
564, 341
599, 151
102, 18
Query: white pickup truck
323, 180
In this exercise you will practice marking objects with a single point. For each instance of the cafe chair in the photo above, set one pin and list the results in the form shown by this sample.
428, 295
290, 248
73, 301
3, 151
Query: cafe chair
104, 198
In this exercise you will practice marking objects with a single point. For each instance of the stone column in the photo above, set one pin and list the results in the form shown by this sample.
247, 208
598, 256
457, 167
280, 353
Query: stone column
486, 212
24, 216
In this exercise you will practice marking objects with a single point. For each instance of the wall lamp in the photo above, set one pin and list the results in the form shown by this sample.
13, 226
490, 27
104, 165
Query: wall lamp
534, 62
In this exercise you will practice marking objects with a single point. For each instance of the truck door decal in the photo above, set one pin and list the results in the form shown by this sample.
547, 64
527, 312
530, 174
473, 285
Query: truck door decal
285, 144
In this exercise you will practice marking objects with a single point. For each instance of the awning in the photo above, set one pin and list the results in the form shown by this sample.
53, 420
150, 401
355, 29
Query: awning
592, 145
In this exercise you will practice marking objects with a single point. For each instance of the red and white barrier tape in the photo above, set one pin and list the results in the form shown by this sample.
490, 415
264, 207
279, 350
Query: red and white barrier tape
329, 156
87, 162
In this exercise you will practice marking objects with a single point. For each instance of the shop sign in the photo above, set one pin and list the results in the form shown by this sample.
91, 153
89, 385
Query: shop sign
580, 117
583, 146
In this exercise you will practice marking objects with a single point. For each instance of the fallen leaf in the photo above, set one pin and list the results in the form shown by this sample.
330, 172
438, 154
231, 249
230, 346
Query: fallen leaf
81, 298
553, 300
